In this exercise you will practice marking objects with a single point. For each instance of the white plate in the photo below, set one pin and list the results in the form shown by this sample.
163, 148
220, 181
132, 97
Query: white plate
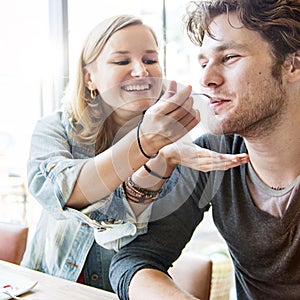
18, 288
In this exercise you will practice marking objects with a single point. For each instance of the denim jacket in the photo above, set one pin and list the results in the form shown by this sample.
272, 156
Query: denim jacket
64, 235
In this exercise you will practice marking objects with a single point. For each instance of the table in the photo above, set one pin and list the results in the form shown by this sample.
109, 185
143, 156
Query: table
50, 287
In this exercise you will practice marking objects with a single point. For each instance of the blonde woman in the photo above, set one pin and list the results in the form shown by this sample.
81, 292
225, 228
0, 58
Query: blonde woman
83, 155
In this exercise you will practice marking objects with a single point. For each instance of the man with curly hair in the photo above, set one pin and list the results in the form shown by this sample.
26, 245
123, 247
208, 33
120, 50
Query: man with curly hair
250, 68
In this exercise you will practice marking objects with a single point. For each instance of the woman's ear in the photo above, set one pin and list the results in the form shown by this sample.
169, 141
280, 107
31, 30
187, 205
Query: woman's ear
88, 81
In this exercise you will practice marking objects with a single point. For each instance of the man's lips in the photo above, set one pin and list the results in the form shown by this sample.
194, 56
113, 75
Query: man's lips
217, 104
214, 100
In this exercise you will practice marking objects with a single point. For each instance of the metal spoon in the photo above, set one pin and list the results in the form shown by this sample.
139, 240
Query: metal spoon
201, 94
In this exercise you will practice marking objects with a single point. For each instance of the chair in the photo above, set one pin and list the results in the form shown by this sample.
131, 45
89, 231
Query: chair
13, 241
193, 273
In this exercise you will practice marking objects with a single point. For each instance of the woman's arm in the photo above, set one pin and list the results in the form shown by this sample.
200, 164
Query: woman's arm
154, 173
163, 123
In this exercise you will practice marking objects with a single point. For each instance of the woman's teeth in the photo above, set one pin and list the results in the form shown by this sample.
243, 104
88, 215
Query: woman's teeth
131, 88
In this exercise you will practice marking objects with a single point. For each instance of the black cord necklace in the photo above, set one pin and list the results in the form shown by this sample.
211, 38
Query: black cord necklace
278, 188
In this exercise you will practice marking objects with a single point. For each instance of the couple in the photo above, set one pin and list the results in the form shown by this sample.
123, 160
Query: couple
92, 159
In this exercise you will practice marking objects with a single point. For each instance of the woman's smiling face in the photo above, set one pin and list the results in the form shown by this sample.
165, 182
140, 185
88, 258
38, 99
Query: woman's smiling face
127, 73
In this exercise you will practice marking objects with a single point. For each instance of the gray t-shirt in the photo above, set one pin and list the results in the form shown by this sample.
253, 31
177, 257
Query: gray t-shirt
274, 201
265, 250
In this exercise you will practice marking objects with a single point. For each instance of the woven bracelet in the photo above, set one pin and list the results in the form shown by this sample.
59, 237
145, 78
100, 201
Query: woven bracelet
138, 194
151, 172
142, 190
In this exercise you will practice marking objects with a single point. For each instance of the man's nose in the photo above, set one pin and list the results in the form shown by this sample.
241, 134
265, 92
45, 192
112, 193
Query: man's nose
211, 76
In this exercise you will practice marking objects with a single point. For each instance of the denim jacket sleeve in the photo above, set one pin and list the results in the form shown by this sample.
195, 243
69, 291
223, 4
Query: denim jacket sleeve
52, 168
54, 164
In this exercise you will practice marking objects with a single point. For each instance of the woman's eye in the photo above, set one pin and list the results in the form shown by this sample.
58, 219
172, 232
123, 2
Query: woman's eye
121, 62
150, 61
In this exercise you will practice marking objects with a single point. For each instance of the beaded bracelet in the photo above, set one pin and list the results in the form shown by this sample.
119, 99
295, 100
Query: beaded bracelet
139, 141
151, 172
133, 196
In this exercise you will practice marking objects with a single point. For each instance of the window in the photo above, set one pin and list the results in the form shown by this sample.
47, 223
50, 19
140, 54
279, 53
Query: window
23, 58
180, 53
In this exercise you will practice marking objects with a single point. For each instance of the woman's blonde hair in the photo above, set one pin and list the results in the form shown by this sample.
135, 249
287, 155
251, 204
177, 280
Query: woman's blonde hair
89, 120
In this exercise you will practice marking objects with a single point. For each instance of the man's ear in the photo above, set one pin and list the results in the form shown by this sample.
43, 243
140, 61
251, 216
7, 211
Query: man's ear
294, 73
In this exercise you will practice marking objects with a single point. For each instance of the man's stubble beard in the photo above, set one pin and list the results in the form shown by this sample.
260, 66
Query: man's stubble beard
255, 120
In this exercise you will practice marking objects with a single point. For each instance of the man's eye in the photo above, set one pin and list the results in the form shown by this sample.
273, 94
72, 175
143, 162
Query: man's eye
203, 64
229, 57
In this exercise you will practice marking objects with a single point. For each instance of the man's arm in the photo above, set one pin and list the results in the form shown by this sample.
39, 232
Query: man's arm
142, 265
154, 284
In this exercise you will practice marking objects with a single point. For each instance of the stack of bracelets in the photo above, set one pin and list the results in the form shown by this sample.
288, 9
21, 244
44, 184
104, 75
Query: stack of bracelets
134, 192
138, 194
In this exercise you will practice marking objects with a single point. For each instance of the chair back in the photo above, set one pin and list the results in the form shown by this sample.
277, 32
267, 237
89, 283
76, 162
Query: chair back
193, 273
13, 241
